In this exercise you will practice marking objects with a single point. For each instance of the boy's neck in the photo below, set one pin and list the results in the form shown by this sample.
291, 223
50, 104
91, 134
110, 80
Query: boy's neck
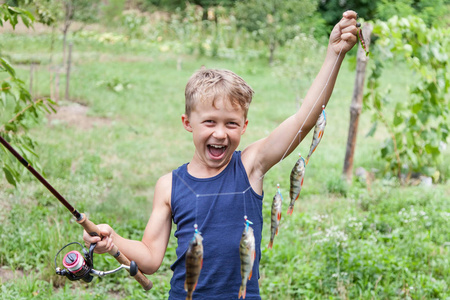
201, 170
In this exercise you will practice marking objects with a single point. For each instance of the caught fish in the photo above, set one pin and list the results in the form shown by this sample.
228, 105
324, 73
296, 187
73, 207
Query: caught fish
297, 175
276, 215
194, 263
318, 133
247, 254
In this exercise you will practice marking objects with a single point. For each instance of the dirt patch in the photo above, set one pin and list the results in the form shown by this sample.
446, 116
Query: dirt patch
7, 275
75, 115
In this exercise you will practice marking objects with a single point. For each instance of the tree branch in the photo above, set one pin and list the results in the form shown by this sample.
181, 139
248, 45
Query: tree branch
2, 128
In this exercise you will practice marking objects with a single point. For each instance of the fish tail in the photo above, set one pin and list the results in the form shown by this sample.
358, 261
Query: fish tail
189, 296
290, 209
307, 159
270, 244
242, 292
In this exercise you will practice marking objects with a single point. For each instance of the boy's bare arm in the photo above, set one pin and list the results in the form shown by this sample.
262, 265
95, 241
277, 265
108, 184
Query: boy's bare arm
263, 154
148, 253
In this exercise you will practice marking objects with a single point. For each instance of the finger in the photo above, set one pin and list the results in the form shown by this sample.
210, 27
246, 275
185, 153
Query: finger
349, 14
90, 239
349, 37
110, 247
108, 242
346, 22
349, 29
100, 248
104, 232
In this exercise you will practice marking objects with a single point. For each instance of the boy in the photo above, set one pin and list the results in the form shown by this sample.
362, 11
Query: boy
220, 186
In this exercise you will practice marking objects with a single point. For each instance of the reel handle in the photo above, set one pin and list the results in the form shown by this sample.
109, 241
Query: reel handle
133, 268
93, 230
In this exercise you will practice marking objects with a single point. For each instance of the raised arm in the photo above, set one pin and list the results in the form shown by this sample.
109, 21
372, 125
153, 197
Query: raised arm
148, 253
263, 154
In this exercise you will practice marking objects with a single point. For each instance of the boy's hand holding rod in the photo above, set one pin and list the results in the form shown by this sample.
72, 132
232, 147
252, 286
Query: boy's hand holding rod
81, 219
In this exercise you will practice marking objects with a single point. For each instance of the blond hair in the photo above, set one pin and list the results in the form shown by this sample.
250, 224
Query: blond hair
213, 84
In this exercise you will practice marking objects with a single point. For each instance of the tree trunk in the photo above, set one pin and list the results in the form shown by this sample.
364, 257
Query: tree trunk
272, 52
31, 79
356, 106
69, 62
68, 7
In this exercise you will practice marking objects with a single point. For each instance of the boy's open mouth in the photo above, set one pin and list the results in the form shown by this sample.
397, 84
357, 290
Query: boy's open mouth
216, 150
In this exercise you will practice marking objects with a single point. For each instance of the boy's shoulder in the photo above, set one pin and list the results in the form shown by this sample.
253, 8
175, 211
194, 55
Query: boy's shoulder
164, 181
163, 188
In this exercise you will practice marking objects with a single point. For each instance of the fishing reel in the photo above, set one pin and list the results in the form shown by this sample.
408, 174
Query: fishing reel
78, 266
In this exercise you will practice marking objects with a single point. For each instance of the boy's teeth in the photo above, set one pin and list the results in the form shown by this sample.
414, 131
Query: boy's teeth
216, 150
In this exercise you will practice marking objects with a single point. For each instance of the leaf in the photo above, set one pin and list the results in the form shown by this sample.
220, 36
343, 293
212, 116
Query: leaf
412, 157
433, 150
28, 149
11, 127
372, 129
416, 107
9, 177
7, 66
398, 119
3, 98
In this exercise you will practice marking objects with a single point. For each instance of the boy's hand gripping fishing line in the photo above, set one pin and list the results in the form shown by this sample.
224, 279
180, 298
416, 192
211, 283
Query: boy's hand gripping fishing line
77, 266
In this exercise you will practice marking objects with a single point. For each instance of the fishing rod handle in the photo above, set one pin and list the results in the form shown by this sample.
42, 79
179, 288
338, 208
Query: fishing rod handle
93, 230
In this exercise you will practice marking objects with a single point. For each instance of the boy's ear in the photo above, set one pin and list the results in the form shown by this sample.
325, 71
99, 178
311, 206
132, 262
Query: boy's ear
186, 123
245, 127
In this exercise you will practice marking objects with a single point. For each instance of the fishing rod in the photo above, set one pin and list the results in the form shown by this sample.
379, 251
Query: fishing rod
77, 266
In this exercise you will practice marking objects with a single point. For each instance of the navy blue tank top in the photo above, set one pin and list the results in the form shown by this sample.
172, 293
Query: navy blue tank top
217, 205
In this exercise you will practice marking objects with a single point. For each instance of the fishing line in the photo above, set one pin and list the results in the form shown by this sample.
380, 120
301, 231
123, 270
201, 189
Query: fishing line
314, 105
196, 214
299, 132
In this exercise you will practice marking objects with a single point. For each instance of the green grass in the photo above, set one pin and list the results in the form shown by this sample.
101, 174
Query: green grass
342, 242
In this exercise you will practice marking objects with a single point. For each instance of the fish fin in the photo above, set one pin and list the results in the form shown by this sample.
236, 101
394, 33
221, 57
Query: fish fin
278, 218
320, 134
250, 275
276, 231
185, 286
270, 245
307, 159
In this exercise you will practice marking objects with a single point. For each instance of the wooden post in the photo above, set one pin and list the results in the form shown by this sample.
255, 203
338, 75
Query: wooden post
52, 84
356, 106
69, 62
56, 95
31, 79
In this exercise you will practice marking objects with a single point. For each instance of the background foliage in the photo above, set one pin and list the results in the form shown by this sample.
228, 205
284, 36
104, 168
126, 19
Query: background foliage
419, 124
374, 239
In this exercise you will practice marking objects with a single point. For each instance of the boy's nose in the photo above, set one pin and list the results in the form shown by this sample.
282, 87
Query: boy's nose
219, 132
